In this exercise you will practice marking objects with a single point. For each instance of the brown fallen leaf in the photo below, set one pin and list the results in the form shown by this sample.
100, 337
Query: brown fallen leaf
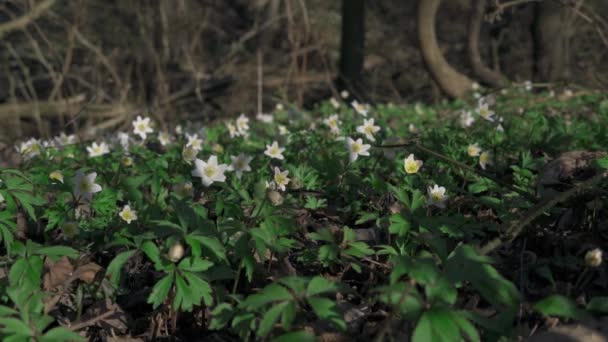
57, 272
88, 272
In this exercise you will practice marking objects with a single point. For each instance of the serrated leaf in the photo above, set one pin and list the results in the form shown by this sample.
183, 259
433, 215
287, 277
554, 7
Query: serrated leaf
558, 305
160, 291
300, 336
56, 251
436, 325
598, 304
318, 285
61, 334
270, 318
326, 309
115, 267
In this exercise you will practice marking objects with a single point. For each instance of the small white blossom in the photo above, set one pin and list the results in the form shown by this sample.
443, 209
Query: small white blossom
484, 111
265, 118
411, 165
164, 138
344, 94
142, 127
283, 130
466, 118
368, 129
360, 108
412, 128
593, 258
528, 85
56, 176
356, 148
64, 140
96, 150
335, 103
85, 186
240, 164
242, 124
333, 123
209, 171
189, 154
128, 214
274, 150
232, 130
194, 142
30, 148
485, 159
279, 107
436, 196
123, 140
280, 178
179, 130
474, 150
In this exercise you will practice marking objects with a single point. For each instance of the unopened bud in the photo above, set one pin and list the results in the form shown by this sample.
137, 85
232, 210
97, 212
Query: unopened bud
275, 197
176, 252
593, 258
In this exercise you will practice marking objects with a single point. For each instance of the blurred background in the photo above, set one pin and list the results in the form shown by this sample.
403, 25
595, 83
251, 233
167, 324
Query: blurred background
96, 64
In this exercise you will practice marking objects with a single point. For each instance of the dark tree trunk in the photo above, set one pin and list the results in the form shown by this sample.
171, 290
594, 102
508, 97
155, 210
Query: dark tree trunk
549, 40
352, 45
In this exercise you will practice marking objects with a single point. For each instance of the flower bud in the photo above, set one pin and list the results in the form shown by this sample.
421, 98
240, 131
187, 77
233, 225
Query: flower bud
296, 183
275, 197
176, 252
593, 258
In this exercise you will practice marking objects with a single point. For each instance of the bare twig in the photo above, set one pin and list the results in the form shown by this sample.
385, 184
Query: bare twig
26, 19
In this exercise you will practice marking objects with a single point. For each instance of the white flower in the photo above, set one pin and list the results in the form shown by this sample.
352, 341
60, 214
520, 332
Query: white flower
360, 108
240, 164
209, 171
466, 118
280, 178
189, 154
528, 85
164, 138
242, 124
85, 186
57, 176
484, 111
128, 214
194, 142
279, 107
475, 86
485, 159
411, 165
412, 128
265, 118
283, 130
274, 151
142, 126
63, 139
179, 129
96, 150
335, 103
30, 148
232, 130
333, 123
437, 196
344, 94
184, 189
127, 160
123, 140
356, 148
593, 258
474, 150
368, 129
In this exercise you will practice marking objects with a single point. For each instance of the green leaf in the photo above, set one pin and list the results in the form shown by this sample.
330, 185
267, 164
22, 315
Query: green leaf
184, 296
61, 334
598, 304
300, 336
221, 316
160, 291
326, 309
271, 293
602, 162
466, 327
289, 315
115, 267
418, 200
399, 225
561, 306
200, 289
270, 318
366, 217
436, 325
358, 249
151, 251
320, 285
214, 245
6, 311
194, 264
56, 251
15, 326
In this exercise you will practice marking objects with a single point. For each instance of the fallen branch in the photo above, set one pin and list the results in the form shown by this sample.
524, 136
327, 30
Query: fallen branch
515, 228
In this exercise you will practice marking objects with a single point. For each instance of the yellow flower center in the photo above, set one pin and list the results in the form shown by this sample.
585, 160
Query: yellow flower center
356, 147
210, 171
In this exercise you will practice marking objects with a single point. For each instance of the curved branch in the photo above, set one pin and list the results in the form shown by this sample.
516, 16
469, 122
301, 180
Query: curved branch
449, 79
26, 19
494, 78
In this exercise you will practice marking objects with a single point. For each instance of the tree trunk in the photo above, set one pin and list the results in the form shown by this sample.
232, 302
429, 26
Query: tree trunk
487, 75
449, 79
549, 40
352, 45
